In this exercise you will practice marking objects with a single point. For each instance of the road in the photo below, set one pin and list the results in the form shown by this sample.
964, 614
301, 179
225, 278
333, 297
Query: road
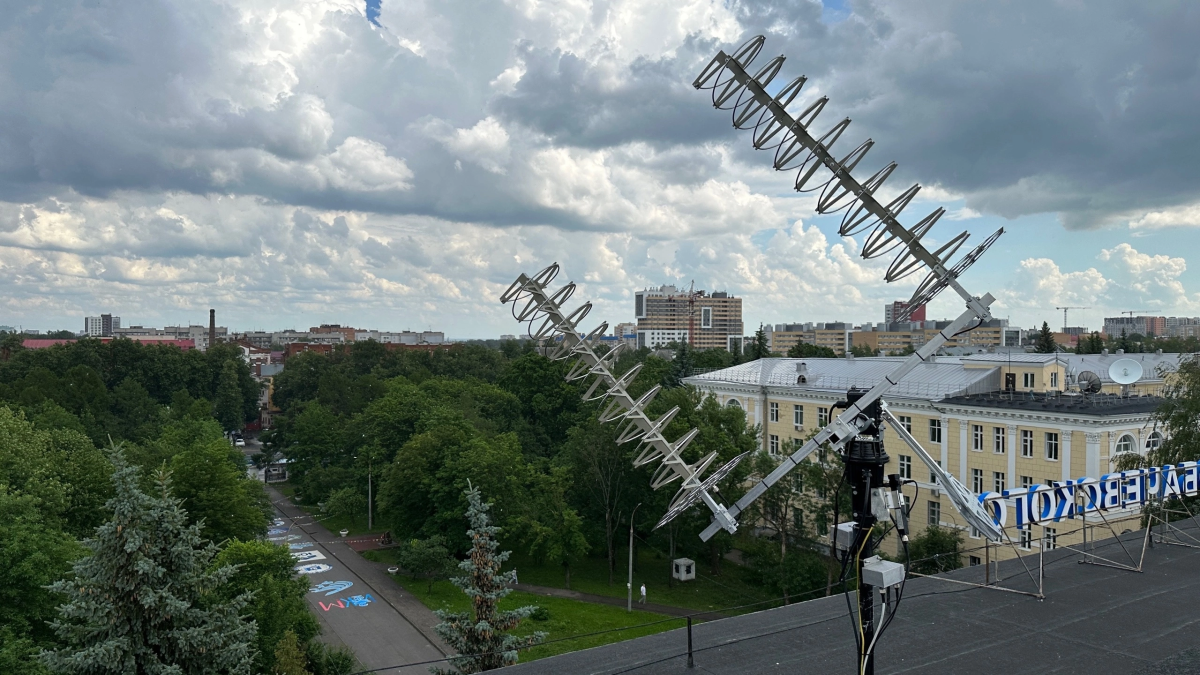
355, 600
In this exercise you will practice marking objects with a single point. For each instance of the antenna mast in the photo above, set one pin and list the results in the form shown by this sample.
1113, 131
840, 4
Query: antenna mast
857, 433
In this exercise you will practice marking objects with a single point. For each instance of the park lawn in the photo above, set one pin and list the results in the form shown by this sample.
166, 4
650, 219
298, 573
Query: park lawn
735, 587
567, 618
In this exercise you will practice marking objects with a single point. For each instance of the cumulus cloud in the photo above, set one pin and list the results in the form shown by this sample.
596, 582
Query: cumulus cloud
284, 157
1125, 277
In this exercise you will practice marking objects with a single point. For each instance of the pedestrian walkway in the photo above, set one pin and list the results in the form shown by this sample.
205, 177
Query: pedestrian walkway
668, 610
355, 599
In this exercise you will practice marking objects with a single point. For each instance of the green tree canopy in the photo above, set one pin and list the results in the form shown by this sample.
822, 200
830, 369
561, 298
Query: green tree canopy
1045, 344
803, 350
139, 602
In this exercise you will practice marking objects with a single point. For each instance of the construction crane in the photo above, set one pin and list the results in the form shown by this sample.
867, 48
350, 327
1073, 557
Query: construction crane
1131, 312
1064, 311
692, 295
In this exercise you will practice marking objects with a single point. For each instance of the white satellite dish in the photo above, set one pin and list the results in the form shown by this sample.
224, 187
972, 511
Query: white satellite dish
1125, 371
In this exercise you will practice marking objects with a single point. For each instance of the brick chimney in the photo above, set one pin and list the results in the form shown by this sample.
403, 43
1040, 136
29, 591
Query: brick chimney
212, 327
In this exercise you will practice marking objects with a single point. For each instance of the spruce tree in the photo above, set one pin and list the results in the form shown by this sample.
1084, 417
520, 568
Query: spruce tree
481, 636
1045, 343
228, 408
140, 603
289, 658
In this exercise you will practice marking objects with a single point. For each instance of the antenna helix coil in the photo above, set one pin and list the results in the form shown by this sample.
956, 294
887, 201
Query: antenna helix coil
775, 127
549, 324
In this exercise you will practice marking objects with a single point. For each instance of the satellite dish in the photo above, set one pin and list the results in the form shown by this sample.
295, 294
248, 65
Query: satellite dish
1089, 382
1125, 371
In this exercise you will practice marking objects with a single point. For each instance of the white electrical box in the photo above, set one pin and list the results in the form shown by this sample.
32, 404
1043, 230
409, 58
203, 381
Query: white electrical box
882, 573
842, 538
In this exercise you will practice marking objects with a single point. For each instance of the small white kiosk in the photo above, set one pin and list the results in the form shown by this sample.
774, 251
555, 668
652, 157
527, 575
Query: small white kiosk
684, 569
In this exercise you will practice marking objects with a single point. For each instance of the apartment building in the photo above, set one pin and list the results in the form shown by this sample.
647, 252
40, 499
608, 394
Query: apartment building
667, 314
196, 333
994, 424
101, 326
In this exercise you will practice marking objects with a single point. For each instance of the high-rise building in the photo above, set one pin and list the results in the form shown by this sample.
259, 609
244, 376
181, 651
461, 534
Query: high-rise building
100, 326
1140, 325
667, 314
895, 309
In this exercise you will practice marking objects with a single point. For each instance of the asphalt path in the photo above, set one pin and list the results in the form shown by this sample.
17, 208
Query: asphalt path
356, 602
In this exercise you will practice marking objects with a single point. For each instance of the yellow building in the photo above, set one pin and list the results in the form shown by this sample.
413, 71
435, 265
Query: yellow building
990, 436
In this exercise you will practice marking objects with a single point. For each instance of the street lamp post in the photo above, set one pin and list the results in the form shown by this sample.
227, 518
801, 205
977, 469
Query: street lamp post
629, 585
370, 501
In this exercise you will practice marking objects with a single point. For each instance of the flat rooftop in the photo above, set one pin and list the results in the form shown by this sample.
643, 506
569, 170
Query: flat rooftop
1075, 404
1094, 619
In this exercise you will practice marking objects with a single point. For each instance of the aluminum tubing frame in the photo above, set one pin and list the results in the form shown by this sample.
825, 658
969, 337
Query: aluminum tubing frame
577, 345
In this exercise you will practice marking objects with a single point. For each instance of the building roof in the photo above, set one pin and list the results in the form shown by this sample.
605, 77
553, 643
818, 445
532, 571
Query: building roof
933, 380
1093, 619
1154, 365
1073, 404
37, 343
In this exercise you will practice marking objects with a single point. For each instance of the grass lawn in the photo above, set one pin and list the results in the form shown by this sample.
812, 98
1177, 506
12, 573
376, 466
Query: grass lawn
566, 617
734, 587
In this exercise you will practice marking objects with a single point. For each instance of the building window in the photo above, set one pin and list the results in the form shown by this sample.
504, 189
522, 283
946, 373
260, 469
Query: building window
1054, 380
1026, 443
999, 481
1051, 446
977, 481
706, 317
774, 411
1049, 539
1026, 537
935, 513
906, 422
1154, 441
773, 445
977, 437
935, 431
975, 561
1027, 379
733, 403
998, 440
1026, 481
822, 416
798, 416
1125, 444
906, 467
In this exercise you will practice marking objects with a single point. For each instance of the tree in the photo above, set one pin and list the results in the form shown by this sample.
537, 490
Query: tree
758, 348
935, 550
682, 365
346, 502
141, 602
428, 558
803, 350
481, 637
552, 529
1044, 343
863, 350
210, 480
289, 660
228, 408
778, 510
279, 604
604, 470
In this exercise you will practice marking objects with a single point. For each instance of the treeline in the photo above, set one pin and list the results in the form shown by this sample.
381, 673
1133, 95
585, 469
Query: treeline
121, 388
426, 423
423, 424
62, 410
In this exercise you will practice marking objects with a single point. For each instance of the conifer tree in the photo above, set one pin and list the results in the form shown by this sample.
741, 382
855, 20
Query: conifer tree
139, 602
1045, 343
481, 636
289, 658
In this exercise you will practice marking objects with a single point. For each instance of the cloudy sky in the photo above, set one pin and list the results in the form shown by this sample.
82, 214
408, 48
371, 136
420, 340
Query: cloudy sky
395, 166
